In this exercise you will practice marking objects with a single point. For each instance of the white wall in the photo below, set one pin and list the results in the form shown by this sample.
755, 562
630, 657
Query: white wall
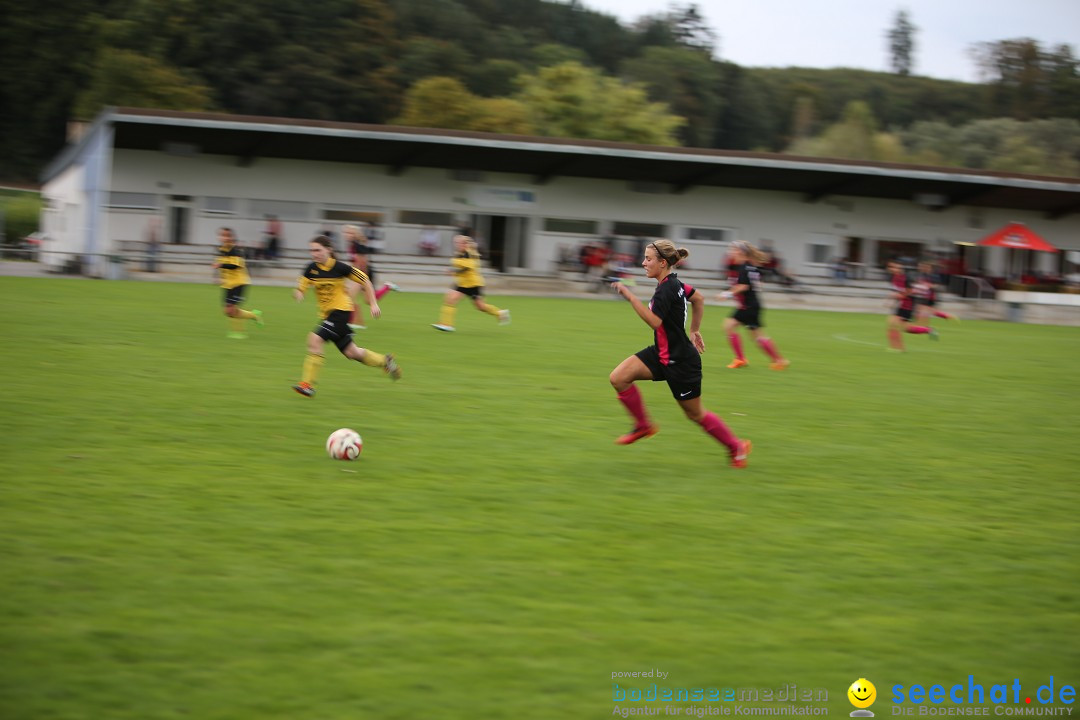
781, 218
64, 219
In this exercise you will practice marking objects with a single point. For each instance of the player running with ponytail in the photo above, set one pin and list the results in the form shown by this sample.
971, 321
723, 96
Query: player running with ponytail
674, 356
356, 246
328, 275
900, 320
925, 292
747, 292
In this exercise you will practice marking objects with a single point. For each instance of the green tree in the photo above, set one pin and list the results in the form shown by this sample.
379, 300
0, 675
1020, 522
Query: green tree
855, 137
1038, 147
444, 102
423, 57
1025, 80
1059, 138
682, 25
902, 44
688, 82
122, 77
438, 102
46, 58
333, 59
501, 115
802, 119
930, 142
690, 28
549, 54
752, 116
494, 78
571, 100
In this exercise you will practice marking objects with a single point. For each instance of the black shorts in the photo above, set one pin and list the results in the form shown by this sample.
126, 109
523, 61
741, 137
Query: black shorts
474, 292
684, 380
751, 318
904, 313
335, 328
928, 302
235, 296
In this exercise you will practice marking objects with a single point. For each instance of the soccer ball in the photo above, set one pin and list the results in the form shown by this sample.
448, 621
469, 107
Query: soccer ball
344, 444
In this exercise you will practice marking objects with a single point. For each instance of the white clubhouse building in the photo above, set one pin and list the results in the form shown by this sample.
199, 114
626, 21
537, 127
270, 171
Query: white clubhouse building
526, 197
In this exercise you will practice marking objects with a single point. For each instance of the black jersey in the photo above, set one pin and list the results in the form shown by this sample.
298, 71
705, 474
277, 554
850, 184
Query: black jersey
751, 277
901, 285
669, 303
924, 289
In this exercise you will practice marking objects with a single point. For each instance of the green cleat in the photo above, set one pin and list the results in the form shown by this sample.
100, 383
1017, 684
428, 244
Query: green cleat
237, 336
258, 317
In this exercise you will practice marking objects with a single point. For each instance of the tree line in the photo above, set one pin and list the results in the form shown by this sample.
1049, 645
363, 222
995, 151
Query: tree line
519, 66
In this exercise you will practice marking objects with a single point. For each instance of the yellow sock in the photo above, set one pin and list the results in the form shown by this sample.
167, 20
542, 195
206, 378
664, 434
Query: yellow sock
236, 324
245, 314
492, 310
373, 359
312, 366
446, 315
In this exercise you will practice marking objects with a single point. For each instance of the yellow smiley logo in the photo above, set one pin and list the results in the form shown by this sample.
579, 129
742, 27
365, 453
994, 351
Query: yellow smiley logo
862, 693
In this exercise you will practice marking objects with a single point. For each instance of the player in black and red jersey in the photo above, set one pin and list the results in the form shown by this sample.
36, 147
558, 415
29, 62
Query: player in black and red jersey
357, 247
900, 319
674, 356
925, 291
747, 292
328, 275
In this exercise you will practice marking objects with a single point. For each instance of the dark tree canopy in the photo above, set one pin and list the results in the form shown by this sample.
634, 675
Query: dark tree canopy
375, 61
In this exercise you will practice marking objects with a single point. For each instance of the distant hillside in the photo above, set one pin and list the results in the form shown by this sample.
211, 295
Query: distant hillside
357, 60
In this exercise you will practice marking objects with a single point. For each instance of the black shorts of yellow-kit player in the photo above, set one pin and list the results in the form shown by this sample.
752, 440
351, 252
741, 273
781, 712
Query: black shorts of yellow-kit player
235, 295
335, 328
474, 292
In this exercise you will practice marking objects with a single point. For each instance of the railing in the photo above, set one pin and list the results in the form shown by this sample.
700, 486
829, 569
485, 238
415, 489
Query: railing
980, 285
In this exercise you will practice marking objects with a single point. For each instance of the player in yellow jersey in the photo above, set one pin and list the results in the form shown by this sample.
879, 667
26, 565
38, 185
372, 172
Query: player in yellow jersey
328, 276
467, 281
234, 280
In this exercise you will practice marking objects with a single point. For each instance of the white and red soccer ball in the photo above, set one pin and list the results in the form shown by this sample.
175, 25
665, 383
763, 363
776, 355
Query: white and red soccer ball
344, 444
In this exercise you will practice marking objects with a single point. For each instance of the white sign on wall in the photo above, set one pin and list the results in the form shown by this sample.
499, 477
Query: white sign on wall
501, 197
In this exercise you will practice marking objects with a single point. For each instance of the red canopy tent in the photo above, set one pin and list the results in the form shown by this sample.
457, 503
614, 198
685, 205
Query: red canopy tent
1018, 237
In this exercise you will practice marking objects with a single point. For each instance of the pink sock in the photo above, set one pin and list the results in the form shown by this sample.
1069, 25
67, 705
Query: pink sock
942, 315
631, 398
767, 345
382, 291
716, 427
918, 330
894, 339
736, 345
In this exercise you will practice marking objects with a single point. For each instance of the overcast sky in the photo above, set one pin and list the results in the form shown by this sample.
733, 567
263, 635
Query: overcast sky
851, 33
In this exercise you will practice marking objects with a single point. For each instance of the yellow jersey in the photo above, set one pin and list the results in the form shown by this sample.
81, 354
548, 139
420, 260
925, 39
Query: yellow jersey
467, 269
329, 282
230, 261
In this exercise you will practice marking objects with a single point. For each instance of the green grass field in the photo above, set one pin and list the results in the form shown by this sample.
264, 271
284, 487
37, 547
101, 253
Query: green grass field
176, 544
